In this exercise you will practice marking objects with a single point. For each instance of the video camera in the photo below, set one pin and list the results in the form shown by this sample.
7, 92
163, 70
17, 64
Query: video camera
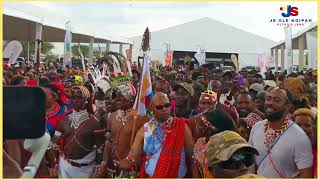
24, 118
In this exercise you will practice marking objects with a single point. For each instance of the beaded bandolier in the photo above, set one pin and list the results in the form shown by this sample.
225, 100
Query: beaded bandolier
120, 81
119, 76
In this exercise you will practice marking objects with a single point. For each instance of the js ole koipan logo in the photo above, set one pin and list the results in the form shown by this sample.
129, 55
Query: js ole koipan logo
289, 17
287, 11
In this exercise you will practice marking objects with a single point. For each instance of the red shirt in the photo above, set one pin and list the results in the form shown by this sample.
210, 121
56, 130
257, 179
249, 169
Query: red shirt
232, 113
315, 158
32, 83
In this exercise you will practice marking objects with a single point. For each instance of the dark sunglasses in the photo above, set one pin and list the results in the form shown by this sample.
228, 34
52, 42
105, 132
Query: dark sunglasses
236, 160
77, 97
159, 107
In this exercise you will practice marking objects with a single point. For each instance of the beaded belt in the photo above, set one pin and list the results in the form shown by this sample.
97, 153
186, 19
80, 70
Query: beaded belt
77, 164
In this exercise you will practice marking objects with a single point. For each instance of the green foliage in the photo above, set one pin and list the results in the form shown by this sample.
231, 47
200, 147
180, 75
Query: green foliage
84, 49
46, 49
96, 54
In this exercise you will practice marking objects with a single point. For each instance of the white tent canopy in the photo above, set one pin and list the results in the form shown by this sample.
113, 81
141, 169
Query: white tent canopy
209, 34
20, 20
24, 30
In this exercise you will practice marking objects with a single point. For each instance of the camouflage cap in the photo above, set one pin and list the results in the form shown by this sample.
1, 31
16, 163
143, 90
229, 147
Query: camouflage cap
188, 87
250, 176
223, 145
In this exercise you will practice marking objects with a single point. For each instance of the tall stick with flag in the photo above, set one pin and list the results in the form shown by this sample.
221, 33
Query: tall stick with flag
67, 46
144, 96
143, 99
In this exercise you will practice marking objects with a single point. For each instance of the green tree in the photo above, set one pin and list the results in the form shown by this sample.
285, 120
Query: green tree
96, 54
84, 49
46, 49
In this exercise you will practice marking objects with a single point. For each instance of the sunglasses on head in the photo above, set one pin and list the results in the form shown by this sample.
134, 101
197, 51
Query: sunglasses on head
159, 107
237, 160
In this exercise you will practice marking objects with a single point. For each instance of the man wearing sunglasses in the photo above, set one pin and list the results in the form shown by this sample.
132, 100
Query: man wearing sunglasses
163, 146
229, 155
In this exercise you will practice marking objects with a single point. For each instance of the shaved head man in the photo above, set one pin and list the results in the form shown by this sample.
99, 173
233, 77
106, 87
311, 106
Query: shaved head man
165, 141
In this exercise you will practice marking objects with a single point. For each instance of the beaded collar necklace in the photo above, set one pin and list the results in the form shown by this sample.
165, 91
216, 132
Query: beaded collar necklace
271, 134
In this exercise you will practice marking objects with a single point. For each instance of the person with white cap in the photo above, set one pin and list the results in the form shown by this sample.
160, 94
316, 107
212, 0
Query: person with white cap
269, 83
254, 89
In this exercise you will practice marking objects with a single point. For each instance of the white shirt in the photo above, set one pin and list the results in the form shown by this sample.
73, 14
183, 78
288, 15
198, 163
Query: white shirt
290, 153
223, 98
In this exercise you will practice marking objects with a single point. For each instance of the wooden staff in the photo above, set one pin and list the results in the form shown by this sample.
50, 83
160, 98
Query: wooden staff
145, 46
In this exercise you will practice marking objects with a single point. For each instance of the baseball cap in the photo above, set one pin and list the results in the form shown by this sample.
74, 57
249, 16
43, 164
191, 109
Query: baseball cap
256, 86
270, 83
188, 87
261, 95
223, 145
227, 73
250, 176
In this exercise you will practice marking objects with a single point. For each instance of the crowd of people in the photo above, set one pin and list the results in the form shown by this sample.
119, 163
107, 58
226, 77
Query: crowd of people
200, 123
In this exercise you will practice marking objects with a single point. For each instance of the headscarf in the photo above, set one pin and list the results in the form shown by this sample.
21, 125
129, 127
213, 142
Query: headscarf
84, 91
296, 87
61, 88
56, 90
127, 90
304, 111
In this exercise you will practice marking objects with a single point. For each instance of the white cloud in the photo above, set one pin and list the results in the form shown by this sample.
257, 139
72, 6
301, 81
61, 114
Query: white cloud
127, 19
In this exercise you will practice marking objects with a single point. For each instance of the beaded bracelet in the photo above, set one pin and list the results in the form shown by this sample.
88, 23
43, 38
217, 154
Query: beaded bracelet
130, 158
195, 161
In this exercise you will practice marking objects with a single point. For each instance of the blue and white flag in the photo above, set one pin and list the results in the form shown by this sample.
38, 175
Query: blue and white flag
67, 47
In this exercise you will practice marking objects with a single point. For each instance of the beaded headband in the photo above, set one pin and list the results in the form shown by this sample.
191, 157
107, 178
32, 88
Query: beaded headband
208, 94
281, 90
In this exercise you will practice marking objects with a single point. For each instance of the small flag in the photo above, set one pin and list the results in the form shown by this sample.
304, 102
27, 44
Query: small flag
143, 99
200, 56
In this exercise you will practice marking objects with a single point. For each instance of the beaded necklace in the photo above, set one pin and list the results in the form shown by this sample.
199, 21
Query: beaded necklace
120, 117
78, 117
207, 123
271, 135
166, 128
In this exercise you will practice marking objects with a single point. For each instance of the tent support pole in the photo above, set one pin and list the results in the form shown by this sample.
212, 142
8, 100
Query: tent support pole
91, 50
